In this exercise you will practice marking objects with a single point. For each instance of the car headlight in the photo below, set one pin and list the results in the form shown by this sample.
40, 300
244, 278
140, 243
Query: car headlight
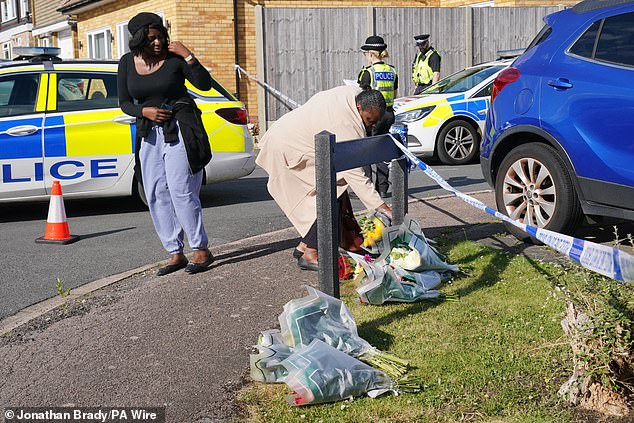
413, 115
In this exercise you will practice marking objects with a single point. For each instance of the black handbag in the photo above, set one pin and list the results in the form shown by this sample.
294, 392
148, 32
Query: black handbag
350, 238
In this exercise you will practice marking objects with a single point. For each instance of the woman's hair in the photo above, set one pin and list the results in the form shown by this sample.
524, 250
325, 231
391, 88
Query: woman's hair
371, 99
379, 54
139, 40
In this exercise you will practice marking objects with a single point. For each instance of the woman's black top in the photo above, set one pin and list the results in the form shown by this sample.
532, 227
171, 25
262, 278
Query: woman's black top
161, 86
166, 85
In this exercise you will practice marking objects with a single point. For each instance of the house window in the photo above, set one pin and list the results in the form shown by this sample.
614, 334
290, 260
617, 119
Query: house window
24, 8
45, 42
100, 44
123, 38
6, 50
7, 8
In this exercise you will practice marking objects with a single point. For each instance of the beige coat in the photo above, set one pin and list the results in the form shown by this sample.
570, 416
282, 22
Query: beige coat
288, 154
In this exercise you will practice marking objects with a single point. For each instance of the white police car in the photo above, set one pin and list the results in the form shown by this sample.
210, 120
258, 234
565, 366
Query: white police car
446, 119
60, 120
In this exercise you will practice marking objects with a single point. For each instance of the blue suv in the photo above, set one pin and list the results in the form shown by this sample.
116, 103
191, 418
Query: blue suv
559, 135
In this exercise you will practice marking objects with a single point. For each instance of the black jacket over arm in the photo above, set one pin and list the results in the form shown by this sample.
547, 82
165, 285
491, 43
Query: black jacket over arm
167, 86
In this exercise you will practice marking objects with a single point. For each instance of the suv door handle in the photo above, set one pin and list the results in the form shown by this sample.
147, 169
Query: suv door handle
561, 83
124, 119
22, 130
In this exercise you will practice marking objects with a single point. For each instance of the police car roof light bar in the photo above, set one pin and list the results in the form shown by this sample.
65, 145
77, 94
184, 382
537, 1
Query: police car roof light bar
37, 54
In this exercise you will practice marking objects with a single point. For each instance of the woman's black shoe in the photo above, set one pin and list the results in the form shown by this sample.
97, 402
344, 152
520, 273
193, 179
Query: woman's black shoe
171, 268
192, 268
307, 265
297, 253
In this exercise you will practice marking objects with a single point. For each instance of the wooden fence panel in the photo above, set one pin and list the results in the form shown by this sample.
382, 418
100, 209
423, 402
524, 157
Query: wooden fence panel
307, 50
505, 28
310, 50
398, 26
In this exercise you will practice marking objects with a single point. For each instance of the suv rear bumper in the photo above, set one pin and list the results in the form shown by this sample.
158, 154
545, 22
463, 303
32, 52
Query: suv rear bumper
485, 165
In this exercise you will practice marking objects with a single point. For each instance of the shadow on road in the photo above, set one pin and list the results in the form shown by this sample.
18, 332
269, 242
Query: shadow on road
455, 181
98, 234
245, 190
255, 251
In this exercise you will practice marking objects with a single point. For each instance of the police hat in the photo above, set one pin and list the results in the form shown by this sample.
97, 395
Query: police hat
420, 39
144, 19
374, 43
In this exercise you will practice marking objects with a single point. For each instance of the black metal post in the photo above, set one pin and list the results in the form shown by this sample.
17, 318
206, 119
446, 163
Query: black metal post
327, 214
332, 157
399, 190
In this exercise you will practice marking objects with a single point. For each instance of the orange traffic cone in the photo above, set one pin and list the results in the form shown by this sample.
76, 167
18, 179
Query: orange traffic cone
56, 226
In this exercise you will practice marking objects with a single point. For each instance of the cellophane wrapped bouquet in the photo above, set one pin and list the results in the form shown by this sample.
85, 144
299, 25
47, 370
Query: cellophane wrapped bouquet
408, 267
319, 354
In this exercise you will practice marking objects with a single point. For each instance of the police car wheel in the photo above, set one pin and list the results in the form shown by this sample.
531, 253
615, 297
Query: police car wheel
139, 192
458, 143
533, 186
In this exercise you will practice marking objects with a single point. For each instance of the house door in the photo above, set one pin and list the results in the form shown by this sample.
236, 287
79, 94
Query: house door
66, 44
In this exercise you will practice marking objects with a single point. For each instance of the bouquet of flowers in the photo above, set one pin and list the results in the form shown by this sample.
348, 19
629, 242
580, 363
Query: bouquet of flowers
319, 373
406, 247
407, 270
372, 228
266, 364
319, 355
346, 268
385, 285
320, 316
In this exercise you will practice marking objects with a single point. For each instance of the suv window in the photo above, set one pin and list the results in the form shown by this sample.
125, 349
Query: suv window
86, 91
584, 46
615, 42
540, 37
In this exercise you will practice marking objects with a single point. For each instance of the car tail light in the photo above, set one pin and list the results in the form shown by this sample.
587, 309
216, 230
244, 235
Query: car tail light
235, 115
507, 76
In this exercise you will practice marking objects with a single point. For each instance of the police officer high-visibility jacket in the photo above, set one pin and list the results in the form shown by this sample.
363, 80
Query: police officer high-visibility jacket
422, 69
382, 77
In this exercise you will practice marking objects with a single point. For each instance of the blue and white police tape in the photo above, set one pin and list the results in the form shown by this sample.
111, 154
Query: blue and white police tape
603, 259
290, 102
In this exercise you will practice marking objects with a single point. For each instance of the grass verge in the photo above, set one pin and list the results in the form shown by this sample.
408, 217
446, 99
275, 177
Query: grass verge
497, 354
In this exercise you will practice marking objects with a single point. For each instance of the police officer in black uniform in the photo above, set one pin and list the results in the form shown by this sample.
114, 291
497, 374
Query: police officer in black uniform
426, 65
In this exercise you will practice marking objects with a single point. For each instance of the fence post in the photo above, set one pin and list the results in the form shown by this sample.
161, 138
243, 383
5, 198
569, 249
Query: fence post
468, 36
371, 16
399, 190
327, 214
260, 67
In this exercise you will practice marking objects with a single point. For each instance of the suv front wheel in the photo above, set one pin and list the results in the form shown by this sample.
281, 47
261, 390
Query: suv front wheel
534, 187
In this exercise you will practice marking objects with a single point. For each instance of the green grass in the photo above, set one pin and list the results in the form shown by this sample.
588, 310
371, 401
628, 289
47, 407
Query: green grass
497, 354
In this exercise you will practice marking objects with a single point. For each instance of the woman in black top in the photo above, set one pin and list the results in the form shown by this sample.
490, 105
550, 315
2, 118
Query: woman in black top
171, 144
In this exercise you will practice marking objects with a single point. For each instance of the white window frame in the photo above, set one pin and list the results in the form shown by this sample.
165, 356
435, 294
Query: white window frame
45, 42
123, 35
90, 39
8, 13
123, 38
24, 8
6, 50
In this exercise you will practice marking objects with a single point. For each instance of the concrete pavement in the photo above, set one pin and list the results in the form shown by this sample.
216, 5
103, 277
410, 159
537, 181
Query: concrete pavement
183, 341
